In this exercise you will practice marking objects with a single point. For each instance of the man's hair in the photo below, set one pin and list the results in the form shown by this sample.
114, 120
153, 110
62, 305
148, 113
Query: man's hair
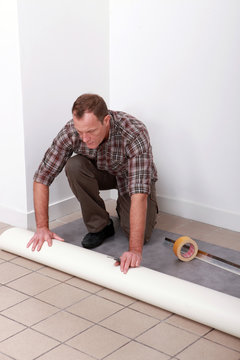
90, 103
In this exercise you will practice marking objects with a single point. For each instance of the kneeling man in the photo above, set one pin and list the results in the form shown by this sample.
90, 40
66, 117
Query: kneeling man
113, 151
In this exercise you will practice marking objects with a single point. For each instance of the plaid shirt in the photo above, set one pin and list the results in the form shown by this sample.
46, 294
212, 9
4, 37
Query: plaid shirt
127, 154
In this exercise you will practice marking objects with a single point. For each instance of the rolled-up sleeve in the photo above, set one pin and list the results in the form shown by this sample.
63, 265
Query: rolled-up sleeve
140, 164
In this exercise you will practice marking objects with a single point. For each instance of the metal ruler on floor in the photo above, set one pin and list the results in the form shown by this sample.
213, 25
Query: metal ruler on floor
211, 259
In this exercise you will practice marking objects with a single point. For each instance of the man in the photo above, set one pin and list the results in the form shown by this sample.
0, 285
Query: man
113, 151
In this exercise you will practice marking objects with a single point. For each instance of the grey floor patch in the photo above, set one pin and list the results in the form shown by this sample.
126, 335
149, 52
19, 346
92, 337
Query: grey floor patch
158, 255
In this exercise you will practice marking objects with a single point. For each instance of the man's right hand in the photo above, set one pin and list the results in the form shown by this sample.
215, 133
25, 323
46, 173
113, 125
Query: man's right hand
41, 235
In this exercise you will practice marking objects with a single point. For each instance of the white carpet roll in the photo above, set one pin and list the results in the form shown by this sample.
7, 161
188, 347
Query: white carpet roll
204, 305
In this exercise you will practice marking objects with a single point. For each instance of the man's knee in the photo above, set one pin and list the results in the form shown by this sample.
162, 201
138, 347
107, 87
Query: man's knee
77, 165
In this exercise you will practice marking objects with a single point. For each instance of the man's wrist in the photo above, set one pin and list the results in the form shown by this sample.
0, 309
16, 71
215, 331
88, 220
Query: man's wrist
137, 251
42, 227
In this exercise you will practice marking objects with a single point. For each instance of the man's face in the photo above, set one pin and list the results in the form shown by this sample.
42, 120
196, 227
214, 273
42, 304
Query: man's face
91, 131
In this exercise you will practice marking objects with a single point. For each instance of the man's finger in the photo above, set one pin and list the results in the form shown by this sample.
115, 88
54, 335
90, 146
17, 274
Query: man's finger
126, 264
30, 242
133, 260
40, 244
35, 243
57, 237
136, 260
122, 263
49, 241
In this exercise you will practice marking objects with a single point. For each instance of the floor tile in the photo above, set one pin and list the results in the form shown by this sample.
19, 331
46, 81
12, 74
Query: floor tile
129, 323
31, 265
84, 285
188, 325
5, 357
62, 326
55, 274
4, 228
10, 297
30, 311
71, 217
98, 342
33, 284
196, 230
64, 352
3, 225
62, 295
54, 224
207, 350
224, 339
167, 338
94, 308
6, 255
10, 272
230, 238
226, 238
136, 351
116, 297
27, 345
8, 328
151, 310
171, 223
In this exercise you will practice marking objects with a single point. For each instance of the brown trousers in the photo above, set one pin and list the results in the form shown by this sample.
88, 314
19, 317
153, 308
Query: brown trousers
86, 180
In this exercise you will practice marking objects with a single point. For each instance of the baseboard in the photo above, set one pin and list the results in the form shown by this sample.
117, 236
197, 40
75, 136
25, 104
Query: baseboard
62, 208
13, 217
58, 209
187, 209
200, 212
196, 211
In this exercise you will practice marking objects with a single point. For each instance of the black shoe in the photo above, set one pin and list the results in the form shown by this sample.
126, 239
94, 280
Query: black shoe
92, 240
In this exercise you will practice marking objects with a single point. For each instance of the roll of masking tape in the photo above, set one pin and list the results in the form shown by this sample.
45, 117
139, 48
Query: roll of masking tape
185, 248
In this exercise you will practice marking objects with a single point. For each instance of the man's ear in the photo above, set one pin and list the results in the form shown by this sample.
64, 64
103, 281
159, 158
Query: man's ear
106, 120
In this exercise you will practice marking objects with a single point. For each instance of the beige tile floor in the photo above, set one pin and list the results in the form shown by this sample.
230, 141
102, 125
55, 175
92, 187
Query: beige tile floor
49, 315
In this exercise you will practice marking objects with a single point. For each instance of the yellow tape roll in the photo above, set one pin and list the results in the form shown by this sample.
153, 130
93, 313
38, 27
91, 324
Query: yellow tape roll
190, 253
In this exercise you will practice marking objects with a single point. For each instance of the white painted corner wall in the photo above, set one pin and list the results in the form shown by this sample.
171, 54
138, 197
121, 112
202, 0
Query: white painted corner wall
173, 64
50, 53
13, 192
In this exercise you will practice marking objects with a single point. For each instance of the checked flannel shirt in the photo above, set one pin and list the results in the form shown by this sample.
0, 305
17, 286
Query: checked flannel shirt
127, 154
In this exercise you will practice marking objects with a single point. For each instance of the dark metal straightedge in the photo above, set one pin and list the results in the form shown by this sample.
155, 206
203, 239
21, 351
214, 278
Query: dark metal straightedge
214, 260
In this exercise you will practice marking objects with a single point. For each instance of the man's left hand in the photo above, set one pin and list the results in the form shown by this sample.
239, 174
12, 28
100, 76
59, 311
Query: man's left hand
129, 259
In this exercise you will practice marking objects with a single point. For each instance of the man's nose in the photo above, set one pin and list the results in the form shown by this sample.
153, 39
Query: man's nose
85, 137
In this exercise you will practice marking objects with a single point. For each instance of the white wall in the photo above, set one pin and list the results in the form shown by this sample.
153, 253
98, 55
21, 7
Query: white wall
12, 159
63, 53
175, 65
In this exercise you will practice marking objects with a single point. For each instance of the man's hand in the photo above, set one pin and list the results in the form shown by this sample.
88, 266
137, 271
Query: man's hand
138, 210
41, 235
129, 259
